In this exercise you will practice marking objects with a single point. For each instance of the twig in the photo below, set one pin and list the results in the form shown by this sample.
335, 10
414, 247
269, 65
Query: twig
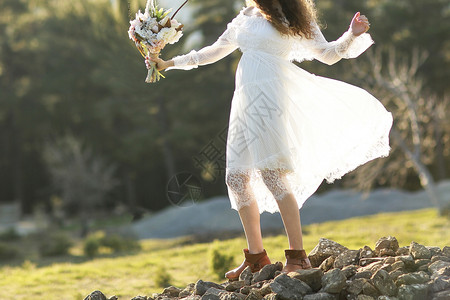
173, 16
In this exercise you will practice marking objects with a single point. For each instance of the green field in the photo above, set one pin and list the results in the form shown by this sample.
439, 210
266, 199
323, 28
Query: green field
133, 274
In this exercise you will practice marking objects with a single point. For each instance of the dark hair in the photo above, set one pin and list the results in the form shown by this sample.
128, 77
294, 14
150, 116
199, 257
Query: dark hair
301, 14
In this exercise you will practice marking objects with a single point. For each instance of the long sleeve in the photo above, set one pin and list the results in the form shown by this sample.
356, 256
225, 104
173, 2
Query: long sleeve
347, 46
224, 45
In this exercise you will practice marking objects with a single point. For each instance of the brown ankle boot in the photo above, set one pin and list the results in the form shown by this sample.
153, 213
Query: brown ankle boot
255, 261
296, 259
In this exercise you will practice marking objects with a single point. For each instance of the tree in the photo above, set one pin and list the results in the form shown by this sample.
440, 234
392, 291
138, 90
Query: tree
418, 128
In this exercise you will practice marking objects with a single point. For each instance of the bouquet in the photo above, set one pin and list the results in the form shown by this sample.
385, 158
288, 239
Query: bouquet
151, 31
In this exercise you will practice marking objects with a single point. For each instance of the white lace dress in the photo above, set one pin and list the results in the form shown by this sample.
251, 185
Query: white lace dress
288, 123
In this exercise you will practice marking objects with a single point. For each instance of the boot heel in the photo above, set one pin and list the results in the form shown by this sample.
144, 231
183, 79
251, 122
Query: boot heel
255, 261
295, 260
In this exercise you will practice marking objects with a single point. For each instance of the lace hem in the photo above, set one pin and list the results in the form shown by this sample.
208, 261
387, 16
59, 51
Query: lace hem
271, 179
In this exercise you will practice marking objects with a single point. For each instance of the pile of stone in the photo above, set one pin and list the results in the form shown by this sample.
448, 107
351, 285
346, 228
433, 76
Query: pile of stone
388, 272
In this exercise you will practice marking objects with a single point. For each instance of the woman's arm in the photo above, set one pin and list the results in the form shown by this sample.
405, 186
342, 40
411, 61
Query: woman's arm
224, 45
350, 45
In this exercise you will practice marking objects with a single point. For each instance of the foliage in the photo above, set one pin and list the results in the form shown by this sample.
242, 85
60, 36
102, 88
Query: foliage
91, 245
8, 252
219, 261
10, 234
54, 244
115, 243
82, 178
161, 277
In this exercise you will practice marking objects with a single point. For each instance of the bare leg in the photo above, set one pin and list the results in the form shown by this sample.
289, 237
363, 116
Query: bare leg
238, 182
291, 219
251, 222
255, 257
276, 182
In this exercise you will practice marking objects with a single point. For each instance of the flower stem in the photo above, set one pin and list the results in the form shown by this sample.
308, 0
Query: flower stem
173, 16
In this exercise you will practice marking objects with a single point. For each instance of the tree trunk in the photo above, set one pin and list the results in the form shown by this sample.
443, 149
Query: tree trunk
426, 179
164, 130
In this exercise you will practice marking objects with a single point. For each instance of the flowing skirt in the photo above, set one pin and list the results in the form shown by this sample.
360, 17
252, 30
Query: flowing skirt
310, 127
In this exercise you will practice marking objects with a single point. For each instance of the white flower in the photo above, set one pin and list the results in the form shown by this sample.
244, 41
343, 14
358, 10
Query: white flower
174, 23
176, 38
167, 34
164, 21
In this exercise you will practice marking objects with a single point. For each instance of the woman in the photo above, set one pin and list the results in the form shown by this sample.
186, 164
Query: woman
289, 129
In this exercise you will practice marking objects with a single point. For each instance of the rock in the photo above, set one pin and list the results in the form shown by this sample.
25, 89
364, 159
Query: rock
96, 295
418, 263
312, 277
370, 290
271, 296
320, 296
364, 297
139, 298
446, 251
441, 272
389, 260
333, 281
267, 272
363, 274
440, 257
396, 273
370, 260
235, 285
408, 260
246, 275
348, 257
386, 267
288, 288
373, 267
113, 298
201, 287
172, 291
355, 287
327, 264
254, 295
190, 297
444, 295
413, 278
366, 252
418, 251
265, 289
398, 265
232, 296
219, 294
212, 294
383, 297
324, 249
440, 283
386, 246
349, 271
383, 282
434, 250
437, 265
245, 290
413, 292
188, 290
402, 251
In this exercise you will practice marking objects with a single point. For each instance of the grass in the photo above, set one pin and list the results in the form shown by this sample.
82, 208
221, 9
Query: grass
133, 274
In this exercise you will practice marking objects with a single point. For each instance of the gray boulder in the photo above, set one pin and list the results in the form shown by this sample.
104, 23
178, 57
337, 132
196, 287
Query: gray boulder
324, 249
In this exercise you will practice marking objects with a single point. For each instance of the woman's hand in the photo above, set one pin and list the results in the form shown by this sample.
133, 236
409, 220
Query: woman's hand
359, 24
160, 63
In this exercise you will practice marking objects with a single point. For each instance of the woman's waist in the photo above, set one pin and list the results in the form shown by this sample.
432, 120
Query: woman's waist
275, 54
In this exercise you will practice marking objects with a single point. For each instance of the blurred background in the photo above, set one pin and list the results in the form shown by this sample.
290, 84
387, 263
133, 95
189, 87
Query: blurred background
85, 143
80, 130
